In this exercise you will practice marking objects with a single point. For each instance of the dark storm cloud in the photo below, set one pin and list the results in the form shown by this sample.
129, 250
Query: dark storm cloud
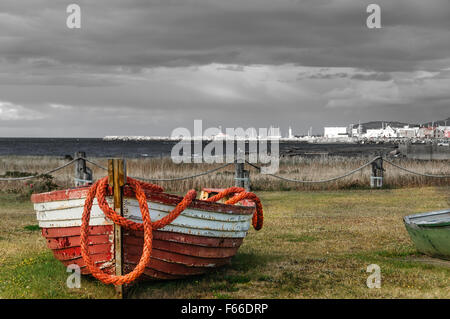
155, 33
146, 66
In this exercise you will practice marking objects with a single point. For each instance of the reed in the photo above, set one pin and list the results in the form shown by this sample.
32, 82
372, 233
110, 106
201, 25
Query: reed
301, 168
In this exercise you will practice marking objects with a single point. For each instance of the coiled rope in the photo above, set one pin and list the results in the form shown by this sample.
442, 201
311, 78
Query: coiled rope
100, 189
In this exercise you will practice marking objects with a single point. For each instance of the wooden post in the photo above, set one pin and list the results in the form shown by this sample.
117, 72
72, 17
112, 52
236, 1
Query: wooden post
239, 175
376, 179
83, 174
380, 171
246, 177
117, 176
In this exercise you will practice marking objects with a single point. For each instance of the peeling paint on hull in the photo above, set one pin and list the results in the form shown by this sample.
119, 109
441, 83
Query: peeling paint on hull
205, 236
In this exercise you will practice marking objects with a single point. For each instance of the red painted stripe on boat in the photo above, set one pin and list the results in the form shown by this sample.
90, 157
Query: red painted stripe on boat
168, 268
73, 193
190, 261
150, 274
74, 241
75, 252
189, 239
174, 255
110, 269
75, 231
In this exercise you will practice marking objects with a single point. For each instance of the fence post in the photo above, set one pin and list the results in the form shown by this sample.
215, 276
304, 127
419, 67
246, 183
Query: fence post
117, 176
376, 179
239, 174
83, 174
247, 180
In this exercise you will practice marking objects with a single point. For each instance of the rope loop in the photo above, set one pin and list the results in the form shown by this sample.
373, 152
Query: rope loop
99, 189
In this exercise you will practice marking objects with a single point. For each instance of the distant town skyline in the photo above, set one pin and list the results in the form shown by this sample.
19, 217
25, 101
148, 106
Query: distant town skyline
148, 67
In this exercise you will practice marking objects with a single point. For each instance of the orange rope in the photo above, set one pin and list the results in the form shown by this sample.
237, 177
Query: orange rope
99, 190
241, 194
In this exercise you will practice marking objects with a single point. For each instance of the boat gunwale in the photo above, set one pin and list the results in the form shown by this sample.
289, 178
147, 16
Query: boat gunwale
409, 220
163, 198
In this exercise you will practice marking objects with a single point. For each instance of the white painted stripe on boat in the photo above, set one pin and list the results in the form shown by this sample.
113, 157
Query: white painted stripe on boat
196, 213
72, 223
189, 222
63, 204
68, 213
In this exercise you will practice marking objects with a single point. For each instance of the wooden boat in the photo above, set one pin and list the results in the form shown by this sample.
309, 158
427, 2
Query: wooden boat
430, 232
206, 235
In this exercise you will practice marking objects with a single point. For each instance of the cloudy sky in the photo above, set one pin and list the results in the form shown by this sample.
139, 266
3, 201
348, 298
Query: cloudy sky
145, 67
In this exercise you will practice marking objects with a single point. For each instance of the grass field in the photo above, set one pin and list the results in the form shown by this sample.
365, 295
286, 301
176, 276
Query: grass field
314, 244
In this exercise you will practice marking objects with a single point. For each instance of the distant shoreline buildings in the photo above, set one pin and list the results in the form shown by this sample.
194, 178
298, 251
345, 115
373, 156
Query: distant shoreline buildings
332, 134
388, 132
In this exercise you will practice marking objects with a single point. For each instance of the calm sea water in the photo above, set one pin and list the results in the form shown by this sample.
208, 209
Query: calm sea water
97, 147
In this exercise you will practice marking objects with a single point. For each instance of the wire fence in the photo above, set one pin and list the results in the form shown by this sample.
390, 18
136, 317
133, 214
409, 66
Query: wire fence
23, 178
318, 181
210, 171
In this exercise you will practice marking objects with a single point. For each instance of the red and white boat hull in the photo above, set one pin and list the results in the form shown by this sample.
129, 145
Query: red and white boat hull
205, 235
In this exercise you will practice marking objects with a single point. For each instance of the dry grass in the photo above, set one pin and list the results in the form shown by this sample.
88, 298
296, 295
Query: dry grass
28, 268
296, 168
314, 244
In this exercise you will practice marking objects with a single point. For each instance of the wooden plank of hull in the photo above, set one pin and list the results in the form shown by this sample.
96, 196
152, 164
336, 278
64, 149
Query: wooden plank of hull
132, 209
150, 274
106, 266
71, 253
184, 248
191, 239
190, 261
75, 231
169, 267
73, 223
74, 241
68, 213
